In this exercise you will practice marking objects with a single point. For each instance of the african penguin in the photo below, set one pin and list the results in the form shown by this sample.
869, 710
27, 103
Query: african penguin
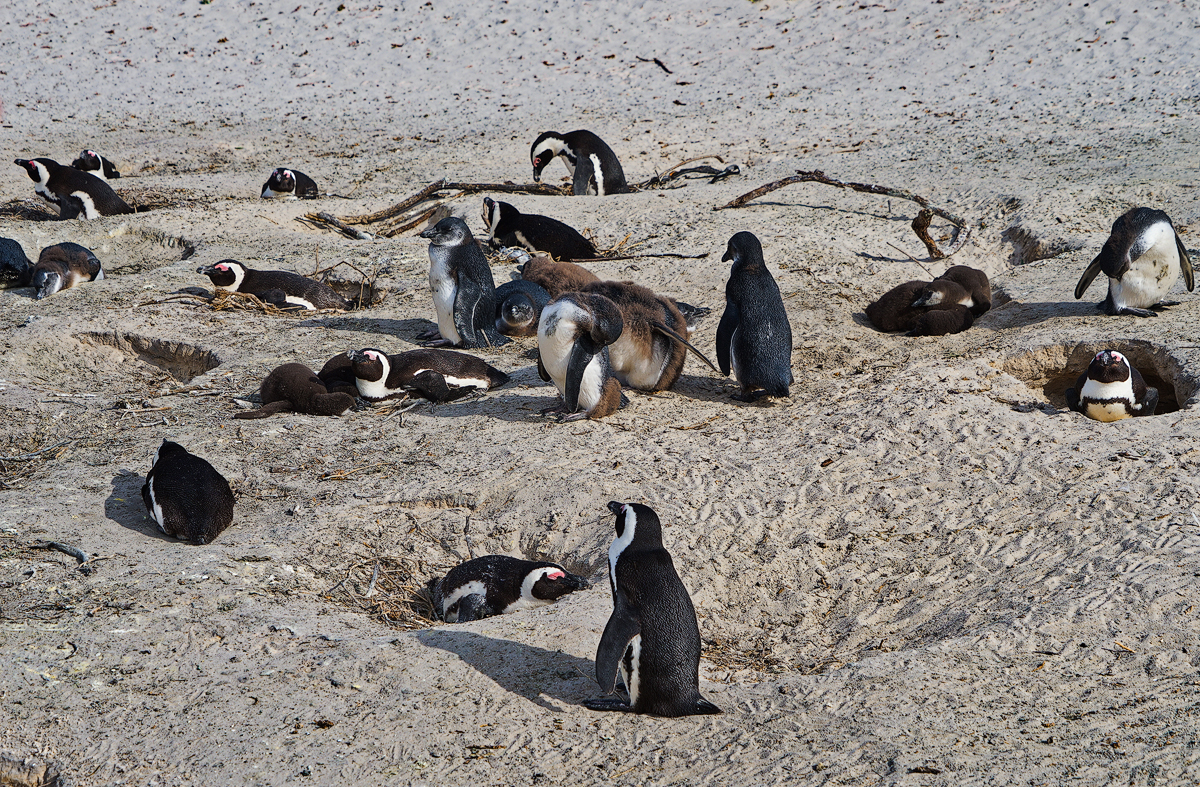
62, 266
73, 192
651, 349
281, 288
92, 162
186, 496
15, 267
499, 585
519, 304
923, 308
652, 637
975, 283
508, 226
556, 277
1111, 389
289, 184
436, 375
754, 337
294, 388
464, 293
1142, 259
574, 332
338, 374
593, 166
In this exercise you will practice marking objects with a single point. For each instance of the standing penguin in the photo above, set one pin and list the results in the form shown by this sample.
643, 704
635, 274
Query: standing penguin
93, 163
186, 496
594, 167
289, 184
15, 267
754, 336
464, 293
508, 226
1142, 259
62, 266
1111, 389
72, 191
573, 337
499, 585
652, 637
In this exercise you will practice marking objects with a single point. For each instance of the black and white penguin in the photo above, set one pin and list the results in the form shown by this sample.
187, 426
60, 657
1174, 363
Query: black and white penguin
1111, 389
652, 637
281, 288
289, 184
436, 375
93, 163
464, 293
574, 332
186, 496
556, 277
519, 305
74, 193
651, 350
594, 167
499, 585
1142, 259
15, 266
294, 388
754, 337
63, 266
508, 226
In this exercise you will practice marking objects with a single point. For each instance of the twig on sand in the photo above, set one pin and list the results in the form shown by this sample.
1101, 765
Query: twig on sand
327, 220
32, 454
920, 224
66, 549
914, 259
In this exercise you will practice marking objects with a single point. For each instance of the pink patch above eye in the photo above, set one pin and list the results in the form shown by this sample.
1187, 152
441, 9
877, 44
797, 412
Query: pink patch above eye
222, 267
555, 575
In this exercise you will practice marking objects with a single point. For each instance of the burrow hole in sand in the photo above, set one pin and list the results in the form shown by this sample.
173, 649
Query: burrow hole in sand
1055, 368
180, 360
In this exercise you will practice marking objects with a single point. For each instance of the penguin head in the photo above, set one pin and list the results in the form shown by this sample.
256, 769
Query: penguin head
548, 582
36, 169
282, 180
518, 316
46, 283
496, 212
1109, 366
636, 521
369, 364
450, 231
167, 448
941, 292
548, 145
744, 250
88, 161
225, 275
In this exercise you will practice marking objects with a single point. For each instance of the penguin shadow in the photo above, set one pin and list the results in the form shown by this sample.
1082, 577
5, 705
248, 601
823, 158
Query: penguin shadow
534, 673
1018, 314
408, 330
502, 404
125, 507
701, 388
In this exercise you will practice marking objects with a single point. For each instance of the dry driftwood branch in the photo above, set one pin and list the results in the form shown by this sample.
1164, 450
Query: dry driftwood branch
920, 223
66, 549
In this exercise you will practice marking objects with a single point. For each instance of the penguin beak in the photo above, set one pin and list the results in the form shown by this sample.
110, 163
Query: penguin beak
1105, 358
922, 301
730, 256
616, 507
429, 233
207, 270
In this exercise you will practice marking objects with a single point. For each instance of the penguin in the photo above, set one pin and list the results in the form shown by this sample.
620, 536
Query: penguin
289, 184
556, 277
574, 332
93, 163
754, 337
508, 226
942, 307
15, 267
73, 192
436, 375
651, 349
594, 167
294, 388
1142, 259
338, 374
62, 266
464, 293
652, 637
281, 288
186, 496
519, 304
499, 585
975, 283
1111, 389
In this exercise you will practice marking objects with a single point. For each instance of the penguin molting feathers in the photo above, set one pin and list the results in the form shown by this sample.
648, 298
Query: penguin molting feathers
1142, 258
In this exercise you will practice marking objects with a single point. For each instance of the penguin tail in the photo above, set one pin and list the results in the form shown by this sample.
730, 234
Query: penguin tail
496, 378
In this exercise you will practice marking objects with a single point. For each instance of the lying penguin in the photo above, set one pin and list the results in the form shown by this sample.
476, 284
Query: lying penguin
185, 496
15, 266
294, 388
1111, 390
61, 267
948, 304
289, 184
283, 289
433, 374
508, 226
499, 585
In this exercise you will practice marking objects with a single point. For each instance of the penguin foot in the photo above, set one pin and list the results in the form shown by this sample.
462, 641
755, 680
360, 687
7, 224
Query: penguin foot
438, 343
605, 704
1163, 304
428, 335
1132, 312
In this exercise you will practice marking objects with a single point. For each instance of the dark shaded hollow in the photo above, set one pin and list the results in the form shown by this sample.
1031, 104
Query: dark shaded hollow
180, 360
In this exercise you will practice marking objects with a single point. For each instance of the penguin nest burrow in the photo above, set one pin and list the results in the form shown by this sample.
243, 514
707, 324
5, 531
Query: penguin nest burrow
1053, 369
182, 361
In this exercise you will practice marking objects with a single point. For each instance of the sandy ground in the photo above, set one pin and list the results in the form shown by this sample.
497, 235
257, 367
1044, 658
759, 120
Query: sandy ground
920, 570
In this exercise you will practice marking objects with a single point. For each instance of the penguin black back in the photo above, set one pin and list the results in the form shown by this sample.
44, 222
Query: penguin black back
435, 374
499, 585
975, 283
186, 496
15, 266
754, 337
93, 163
75, 193
280, 288
508, 226
289, 184
594, 167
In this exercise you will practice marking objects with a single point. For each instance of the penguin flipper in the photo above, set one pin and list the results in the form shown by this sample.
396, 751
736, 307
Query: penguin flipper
582, 354
1185, 263
1089, 274
607, 704
669, 333
1073, 402
467, 301
1149, 403
728, 324
621, 629
432, 386
542, 369
69, 207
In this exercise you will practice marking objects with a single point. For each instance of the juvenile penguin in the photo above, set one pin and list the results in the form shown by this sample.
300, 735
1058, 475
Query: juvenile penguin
519, 305
62, 266
574, 332
73, 192
93, 163
294, 388
338, 374
652, 637
281, 288
499, 585
464, 293
436, 375
923, 308
594, 167
1142, 259
186, 496
651, 349
975, 283
556, 277
1111, 389
15, 267
508, 226
289, 184
754, 337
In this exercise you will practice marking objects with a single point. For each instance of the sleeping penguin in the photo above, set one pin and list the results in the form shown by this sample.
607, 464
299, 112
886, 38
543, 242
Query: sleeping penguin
499, 585
1142, 259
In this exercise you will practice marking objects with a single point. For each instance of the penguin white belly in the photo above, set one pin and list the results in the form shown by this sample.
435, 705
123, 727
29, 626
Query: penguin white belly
297, 301
555, 349
1106, 401
470, 589
631, 668
1107, 413
89, 206
634, 368
598, 174
269, 193
592, 384
444, 289
155, 509
1152, 274
374, 389
733, 355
